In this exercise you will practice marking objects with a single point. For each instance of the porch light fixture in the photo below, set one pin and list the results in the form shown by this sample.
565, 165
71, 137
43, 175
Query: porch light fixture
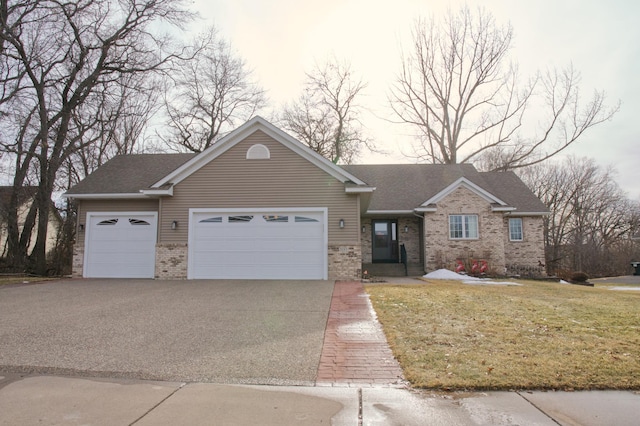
341, 223
364, 229
82, 226
406, 229
174, 224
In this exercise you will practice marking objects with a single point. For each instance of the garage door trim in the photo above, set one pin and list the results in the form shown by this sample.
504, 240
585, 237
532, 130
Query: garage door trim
110, 214
258, 210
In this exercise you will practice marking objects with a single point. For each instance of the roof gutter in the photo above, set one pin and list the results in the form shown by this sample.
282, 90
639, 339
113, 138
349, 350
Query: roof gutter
158, 192
516, 213
425, 209
359, 189
384, 212
133, 195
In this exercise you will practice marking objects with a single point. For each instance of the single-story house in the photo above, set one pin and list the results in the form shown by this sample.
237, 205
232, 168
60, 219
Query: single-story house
260, 204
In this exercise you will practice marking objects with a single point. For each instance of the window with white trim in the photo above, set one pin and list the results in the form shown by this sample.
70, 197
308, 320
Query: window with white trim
463, 226
515, 229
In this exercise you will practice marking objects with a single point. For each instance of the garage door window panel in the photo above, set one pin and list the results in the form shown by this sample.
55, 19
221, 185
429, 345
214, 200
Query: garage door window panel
212, 220
275, 219
302, 219
240, 219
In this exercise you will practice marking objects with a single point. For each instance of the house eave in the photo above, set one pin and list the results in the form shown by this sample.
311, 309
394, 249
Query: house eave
106, 196
359, 189
157, 192
425, 209
517, 213
388, 212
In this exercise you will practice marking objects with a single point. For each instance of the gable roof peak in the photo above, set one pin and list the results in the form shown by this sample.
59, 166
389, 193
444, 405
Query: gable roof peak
234, 137
464, 183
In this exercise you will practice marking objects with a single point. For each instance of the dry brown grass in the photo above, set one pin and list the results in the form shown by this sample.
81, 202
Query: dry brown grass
447, 335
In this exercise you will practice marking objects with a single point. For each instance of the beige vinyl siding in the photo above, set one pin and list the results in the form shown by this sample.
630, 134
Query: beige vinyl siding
284, 180
113, 205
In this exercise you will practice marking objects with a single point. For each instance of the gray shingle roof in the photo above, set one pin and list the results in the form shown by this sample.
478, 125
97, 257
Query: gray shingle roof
407, 186
128, 174
398, 186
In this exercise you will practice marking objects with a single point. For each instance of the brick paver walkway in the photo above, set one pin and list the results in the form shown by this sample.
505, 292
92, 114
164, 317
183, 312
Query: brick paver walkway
355, 349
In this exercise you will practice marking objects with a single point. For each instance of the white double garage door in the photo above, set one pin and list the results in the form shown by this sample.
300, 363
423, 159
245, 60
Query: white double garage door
222, 244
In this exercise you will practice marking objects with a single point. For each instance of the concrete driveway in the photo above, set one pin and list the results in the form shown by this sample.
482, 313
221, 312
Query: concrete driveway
258, 332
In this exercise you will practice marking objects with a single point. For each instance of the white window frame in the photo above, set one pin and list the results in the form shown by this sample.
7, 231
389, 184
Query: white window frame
521, 229
466, 229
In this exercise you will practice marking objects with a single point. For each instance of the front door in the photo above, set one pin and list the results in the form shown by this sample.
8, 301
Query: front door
384, 241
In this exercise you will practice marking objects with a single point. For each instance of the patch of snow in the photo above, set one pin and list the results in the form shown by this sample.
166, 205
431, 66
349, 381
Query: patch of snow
564, 282
445, 274
625, 288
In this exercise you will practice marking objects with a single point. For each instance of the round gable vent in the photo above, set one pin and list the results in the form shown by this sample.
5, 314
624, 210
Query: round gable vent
258, 152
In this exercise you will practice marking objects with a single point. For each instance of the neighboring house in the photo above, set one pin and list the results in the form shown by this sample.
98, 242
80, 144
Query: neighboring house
26, 195
260, 204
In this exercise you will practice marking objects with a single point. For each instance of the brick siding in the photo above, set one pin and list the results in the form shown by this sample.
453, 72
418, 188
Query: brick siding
411, 238
345, 262
525, 257
77, 265
493, 243
442, 252
171, 261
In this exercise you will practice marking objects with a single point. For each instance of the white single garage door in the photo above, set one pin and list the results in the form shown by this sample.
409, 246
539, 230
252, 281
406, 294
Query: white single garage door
120, 245
258, 244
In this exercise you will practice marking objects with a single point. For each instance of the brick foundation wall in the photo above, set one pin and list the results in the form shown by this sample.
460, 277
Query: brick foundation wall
77, 265
441, 251
345, 262
171, 261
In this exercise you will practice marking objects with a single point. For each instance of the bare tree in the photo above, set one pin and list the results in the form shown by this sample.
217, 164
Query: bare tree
58, 62
459, 90
591, 218
116, 122
326, 116
209, 95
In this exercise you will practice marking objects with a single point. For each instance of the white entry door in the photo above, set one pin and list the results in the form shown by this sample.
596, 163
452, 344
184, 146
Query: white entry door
120, 245
258, 244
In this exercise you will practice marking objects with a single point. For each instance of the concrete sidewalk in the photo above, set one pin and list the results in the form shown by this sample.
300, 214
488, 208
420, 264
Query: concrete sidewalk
76, 401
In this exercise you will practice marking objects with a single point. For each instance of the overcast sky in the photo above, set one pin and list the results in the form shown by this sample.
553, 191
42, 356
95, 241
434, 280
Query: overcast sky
281, 39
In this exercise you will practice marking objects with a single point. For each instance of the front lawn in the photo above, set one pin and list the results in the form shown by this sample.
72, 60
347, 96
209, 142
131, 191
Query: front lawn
448, 335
